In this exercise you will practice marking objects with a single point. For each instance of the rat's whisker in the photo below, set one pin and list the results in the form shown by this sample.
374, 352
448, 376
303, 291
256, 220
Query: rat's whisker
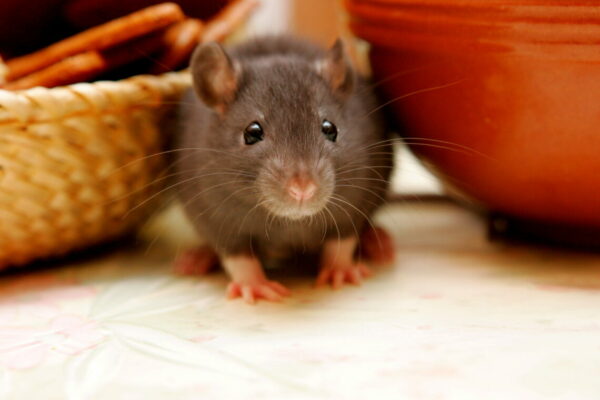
256, 206
367, 219
215, 207
200, 193
159, 179
269, 223
324, 219
428, 145
337, 228
366, 190
372, 168
358, 178
416, 92
231, 195
428, 141
397, 75
347, 214
166, 152
157, 194
168, 188
339, 198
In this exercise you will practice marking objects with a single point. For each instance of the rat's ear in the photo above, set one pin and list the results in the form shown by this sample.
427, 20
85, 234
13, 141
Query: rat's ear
336, 69
214, 75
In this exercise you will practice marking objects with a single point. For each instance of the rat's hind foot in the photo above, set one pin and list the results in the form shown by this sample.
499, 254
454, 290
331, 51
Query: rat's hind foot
249, 282
338, 265
196, 261
339, 274
250, 292
377, 246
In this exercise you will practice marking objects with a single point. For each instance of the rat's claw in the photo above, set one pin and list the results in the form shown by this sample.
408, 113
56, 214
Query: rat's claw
338, 278
355, 277
247, 294
250, 292
233, 290
269, 293
338, 275
279, 288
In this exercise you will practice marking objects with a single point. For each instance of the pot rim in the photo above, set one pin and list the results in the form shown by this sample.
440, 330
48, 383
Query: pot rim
486, 3
382, 36
491, 15
542, 33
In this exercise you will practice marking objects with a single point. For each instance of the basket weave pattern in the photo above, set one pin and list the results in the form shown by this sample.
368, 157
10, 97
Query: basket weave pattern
74, 162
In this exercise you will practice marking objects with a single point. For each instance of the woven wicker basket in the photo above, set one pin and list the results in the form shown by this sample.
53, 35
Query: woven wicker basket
83, 164
74, 162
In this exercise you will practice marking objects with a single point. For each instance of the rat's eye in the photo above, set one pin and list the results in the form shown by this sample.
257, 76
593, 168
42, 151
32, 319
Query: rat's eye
329, 130
253, 133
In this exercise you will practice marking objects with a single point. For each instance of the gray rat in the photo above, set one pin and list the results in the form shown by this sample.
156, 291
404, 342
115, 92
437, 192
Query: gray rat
281, 151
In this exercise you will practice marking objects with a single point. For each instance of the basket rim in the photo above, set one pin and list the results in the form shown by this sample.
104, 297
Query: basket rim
47, 105
101, 81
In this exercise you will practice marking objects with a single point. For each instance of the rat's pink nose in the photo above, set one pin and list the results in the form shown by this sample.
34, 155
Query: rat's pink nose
301, 189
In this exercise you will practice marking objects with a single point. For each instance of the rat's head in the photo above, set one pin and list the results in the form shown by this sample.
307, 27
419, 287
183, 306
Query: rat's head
280, 119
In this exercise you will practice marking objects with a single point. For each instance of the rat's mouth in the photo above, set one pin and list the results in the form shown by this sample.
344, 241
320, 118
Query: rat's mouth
295, 200
295, 210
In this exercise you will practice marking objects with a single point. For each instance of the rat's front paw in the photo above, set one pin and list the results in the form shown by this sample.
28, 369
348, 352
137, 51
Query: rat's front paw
262, 289
337, 275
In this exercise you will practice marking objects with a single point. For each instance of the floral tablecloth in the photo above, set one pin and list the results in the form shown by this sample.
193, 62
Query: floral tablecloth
455, 318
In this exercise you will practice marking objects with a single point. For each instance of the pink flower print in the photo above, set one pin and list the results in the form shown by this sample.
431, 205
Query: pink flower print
19, 349
302, 354
75, 334
10, 311
202, 338
22, 348
36, 299
70, 292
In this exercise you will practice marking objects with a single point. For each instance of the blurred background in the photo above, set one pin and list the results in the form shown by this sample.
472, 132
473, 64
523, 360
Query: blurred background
318, 20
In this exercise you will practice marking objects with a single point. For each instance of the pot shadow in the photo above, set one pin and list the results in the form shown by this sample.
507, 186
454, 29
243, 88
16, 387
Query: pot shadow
462, 236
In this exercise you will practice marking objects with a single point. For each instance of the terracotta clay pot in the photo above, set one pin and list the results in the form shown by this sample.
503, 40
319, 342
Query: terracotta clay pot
513, 123
487, 3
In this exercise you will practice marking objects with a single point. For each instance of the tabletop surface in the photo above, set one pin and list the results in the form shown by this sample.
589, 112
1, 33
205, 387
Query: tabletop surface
456, 317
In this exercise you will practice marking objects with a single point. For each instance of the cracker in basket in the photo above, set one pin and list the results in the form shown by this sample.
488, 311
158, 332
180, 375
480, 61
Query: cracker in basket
101, 37
230, 17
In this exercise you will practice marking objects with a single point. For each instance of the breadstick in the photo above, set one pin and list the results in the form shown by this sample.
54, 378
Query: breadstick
228, 19
3, 72
98, 38
81, 67
180, 41
89, 65
137, 49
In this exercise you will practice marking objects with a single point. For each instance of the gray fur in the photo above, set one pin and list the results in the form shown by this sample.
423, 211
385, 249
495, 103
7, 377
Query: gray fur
279, 85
